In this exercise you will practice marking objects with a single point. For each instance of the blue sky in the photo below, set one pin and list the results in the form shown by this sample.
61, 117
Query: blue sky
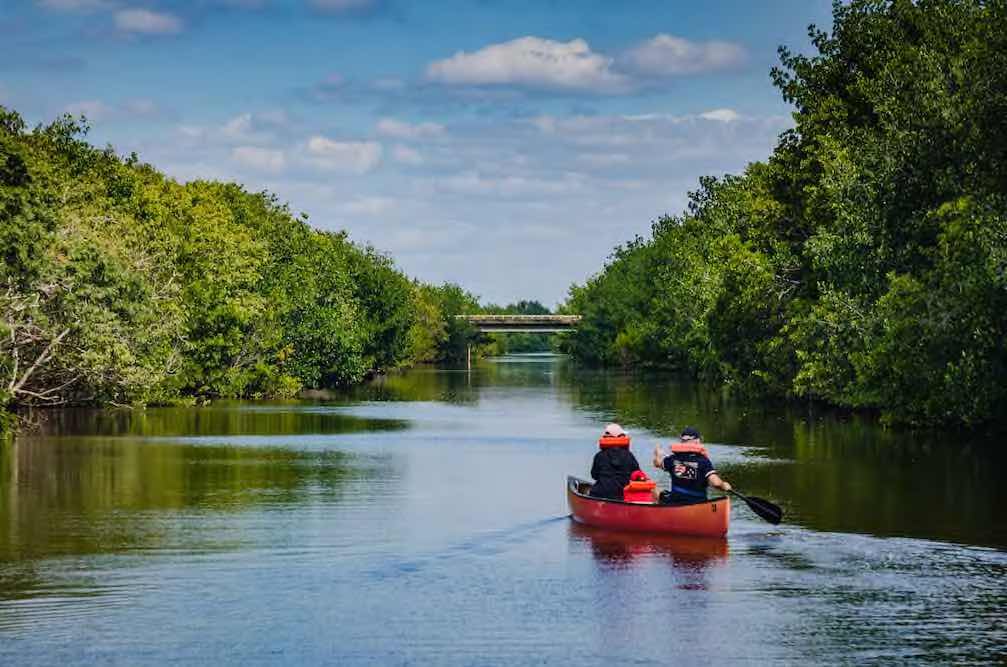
504, 145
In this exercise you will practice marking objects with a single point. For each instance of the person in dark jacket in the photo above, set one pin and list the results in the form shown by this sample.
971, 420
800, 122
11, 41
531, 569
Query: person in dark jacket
613, 464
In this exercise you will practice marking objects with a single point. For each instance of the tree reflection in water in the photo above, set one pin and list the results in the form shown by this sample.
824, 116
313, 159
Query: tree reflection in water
109, 491
830, 470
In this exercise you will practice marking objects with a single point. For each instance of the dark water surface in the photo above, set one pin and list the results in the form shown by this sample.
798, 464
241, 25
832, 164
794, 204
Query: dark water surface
422, 520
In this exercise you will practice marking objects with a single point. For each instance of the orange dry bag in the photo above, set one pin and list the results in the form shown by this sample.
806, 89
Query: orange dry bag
640, 488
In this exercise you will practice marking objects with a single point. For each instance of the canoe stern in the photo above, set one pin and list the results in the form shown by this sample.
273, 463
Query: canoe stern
705, 519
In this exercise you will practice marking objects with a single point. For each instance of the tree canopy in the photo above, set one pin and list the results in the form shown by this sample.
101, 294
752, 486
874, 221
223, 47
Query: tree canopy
865, 262
121, 286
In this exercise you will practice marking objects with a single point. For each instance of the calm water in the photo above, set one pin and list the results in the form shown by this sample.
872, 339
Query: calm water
423, 520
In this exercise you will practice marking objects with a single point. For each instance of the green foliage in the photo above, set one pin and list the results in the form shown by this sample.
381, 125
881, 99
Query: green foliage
386, 298
429, 332
455, 335
121, 286
864, 263
87, 310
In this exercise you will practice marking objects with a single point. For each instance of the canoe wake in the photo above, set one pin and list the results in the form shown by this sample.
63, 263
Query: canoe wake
489, 543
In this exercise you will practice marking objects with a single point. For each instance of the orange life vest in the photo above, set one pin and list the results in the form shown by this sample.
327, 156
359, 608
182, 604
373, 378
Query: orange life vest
689, 448
639, 489
607, 441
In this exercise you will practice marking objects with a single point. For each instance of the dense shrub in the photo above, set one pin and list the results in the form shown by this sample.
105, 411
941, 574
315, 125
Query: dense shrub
864, 262
119, 285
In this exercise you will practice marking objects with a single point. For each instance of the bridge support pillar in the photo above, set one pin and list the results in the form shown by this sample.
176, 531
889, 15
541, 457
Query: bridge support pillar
468, 357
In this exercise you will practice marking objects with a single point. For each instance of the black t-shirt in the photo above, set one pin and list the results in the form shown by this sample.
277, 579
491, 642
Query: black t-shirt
611, 470
688, 474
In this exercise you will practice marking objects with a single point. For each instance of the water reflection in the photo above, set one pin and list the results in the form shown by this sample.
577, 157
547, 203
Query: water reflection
644, 586
99, 495
458, 385
615, 549
223, 418
829, 470
409, 522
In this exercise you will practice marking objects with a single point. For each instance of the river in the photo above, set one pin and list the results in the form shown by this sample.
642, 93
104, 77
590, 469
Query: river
422, 519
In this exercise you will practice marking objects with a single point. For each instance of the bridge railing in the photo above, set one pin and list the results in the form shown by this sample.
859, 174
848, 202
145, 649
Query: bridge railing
522, 323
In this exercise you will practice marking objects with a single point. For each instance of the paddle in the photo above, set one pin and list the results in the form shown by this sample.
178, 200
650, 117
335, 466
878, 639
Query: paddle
767, 510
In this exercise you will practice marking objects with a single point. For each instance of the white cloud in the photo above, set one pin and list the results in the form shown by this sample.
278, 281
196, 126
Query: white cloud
390, 127
644, 117
667, 55
535, 62
406, 155
643, 130
93, 110
147, 22
98, 111
721, 115
603, 159
193, 132
607, 131
412, 240
258, 127
475, 183
569, 124
583, 183
532, 62
373, 206
238, 127
263, 159
354, 156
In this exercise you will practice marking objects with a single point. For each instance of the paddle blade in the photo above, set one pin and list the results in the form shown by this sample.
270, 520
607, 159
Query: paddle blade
767, 510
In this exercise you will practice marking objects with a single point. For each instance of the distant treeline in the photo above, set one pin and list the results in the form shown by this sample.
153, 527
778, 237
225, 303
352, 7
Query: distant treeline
515, 343
121, 286
865, 262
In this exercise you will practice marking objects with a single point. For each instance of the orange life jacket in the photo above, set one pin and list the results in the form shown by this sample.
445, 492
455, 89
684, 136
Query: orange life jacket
639, 489
607, 441
689, 448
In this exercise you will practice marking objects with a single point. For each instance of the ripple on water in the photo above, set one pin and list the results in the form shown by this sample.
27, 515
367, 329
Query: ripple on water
424, 530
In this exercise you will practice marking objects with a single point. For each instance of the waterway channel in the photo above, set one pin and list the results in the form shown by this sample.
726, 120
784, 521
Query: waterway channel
422, 519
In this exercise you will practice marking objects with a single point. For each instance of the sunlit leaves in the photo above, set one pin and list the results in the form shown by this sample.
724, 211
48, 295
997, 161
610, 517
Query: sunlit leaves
121, 286
864, 263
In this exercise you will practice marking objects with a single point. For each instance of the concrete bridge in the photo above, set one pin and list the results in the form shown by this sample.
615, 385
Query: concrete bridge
522, 323
518, 324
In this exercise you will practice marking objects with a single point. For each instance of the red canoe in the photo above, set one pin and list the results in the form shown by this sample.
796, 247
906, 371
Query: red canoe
708, 518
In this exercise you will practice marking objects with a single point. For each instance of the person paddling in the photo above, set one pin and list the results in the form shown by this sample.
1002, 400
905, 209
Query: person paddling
613, 464
690, 468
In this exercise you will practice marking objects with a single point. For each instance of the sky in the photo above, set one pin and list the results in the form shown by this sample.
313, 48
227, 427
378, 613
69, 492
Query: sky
504, 145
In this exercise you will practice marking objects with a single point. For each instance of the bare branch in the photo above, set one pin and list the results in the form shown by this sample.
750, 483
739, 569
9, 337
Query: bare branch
40, 397
49, 392
42, 358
